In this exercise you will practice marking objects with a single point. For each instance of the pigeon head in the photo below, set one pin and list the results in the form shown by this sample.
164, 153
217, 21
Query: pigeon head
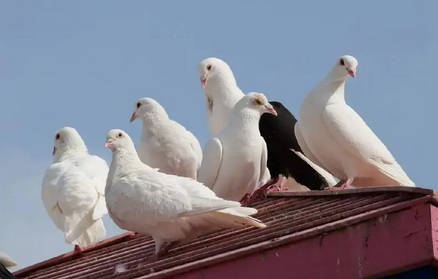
257, 102
345, 66
147, 106
213, 70
67, 139
117, 139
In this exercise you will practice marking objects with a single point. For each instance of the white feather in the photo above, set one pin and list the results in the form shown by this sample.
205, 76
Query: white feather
211, 162
327, 176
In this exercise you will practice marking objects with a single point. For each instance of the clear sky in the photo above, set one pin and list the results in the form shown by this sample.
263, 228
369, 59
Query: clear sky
84, 64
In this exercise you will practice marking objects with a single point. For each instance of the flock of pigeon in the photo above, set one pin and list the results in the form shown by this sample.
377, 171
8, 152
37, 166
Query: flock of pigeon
172, 189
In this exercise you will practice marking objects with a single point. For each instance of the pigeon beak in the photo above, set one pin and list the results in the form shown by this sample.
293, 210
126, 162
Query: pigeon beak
204, 81
351, 72
133, 117
270, 109
54, 151
108, 143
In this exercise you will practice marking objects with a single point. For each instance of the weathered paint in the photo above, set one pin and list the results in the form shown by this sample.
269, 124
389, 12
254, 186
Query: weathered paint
434, 221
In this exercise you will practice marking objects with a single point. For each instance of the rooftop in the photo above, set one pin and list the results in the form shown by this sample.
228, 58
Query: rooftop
346, 233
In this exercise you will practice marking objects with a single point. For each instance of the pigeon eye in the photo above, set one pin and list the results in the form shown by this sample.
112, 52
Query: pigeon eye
120, 135
208, 67
138, 105
341, 62
258, 102
57, 136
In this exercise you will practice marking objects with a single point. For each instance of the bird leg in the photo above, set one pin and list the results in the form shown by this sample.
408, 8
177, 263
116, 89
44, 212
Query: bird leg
78, 249
163, 250
77, 252
245, 199
280, 185
341, 185
262, 191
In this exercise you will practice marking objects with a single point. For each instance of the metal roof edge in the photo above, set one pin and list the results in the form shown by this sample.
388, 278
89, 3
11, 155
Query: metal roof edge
406, 189
261, 246
295, 237
434, 240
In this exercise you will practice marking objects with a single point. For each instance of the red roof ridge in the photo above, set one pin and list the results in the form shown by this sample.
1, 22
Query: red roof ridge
371, 189
70, 255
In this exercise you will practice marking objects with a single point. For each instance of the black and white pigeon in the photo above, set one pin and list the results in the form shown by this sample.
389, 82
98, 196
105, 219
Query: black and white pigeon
285, 163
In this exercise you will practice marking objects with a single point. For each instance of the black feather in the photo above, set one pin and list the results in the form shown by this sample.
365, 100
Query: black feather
278, 132
5, 274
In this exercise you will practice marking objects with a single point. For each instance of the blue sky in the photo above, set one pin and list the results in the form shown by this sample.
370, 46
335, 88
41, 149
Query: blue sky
84, 64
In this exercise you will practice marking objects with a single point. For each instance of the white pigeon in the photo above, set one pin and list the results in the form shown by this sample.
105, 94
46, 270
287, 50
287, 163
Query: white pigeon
164, 143
235, 159
172, 209
221, 94
335, 137
6, 261
73, 190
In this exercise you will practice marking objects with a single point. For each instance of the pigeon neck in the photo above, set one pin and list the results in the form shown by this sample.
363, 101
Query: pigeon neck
154, 119
153, 123
245, 120
332, 88
62, 155
223, 87
125, 157
123, 160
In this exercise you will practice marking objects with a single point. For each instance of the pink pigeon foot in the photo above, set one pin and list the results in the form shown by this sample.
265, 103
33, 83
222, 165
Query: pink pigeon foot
245, 199
263, 190
341, 185
163, 250
280, 185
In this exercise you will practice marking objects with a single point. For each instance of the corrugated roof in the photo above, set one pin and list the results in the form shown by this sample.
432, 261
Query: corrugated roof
285, 213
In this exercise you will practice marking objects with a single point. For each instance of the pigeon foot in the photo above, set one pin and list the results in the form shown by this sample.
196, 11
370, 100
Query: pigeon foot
245, 199
280, 185
163, 250
341, 185
78, 249
263, 190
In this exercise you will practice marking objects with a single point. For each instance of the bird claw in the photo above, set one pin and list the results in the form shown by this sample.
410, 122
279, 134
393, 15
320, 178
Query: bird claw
259, 194
341, 185
154, 258
281, 186
245, 199
163, 250
78, 249
263, 191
